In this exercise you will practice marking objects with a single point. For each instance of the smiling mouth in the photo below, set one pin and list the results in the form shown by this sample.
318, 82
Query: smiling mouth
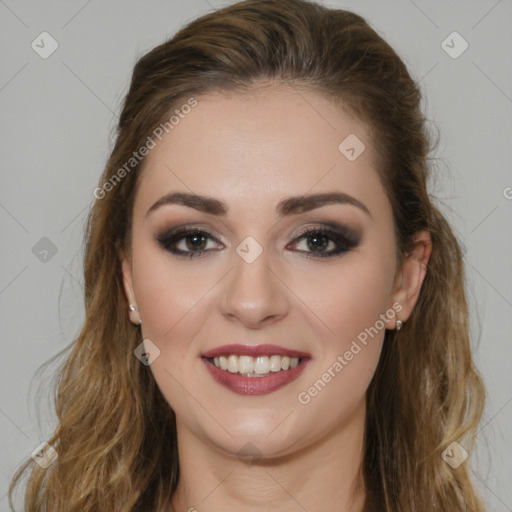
255, 369
260, 375
261, 366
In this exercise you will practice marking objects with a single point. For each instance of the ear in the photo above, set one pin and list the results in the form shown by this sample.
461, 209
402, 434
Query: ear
409, 278
128, 289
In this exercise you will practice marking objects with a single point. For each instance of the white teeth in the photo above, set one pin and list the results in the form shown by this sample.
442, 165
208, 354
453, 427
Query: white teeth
232, 364
260, 366
245, 364
275, 363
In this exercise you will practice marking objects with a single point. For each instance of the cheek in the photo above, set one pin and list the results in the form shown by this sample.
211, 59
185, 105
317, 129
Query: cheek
173, 301
345, 299
170, 295
349, 303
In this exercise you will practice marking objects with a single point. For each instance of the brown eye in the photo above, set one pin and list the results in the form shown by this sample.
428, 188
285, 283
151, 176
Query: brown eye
196, 241
318, 242
322, 242
188, 243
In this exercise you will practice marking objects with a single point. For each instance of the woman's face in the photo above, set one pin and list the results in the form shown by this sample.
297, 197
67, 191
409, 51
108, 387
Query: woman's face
255, 171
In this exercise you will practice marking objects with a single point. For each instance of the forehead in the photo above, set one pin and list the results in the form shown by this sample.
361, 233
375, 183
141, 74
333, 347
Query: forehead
260, 145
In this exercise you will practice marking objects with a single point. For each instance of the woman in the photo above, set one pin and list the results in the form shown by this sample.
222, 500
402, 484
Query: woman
275, 309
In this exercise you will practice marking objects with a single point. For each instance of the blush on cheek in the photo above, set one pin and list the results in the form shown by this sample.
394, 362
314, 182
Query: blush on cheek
166, 294
352, 307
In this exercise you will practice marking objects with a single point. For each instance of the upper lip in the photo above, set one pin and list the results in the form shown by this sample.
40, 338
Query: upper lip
253, 351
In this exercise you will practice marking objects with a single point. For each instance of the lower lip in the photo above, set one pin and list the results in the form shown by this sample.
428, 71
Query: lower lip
254, 385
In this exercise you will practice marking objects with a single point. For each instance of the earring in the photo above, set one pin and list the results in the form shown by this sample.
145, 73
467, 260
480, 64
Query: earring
399, 325
135, 317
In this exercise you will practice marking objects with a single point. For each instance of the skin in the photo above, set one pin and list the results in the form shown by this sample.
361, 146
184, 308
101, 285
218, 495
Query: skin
251, 150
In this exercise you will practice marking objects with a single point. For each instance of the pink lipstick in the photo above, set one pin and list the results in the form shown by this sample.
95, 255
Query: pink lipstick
254, 370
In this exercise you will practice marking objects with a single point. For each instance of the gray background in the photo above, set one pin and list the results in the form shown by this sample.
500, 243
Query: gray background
58, 115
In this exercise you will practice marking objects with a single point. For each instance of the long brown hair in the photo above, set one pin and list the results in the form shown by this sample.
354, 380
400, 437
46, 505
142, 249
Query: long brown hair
116, 435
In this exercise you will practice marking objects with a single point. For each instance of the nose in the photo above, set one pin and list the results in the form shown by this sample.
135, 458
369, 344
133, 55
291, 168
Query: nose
253, 294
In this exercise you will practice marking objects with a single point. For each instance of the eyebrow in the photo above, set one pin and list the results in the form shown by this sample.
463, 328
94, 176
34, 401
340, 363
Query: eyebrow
288, 206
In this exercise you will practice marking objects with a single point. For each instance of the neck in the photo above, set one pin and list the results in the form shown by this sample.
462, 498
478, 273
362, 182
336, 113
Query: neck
326, 475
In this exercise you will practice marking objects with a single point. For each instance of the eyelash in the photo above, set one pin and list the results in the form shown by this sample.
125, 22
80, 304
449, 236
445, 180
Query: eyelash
343, 237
